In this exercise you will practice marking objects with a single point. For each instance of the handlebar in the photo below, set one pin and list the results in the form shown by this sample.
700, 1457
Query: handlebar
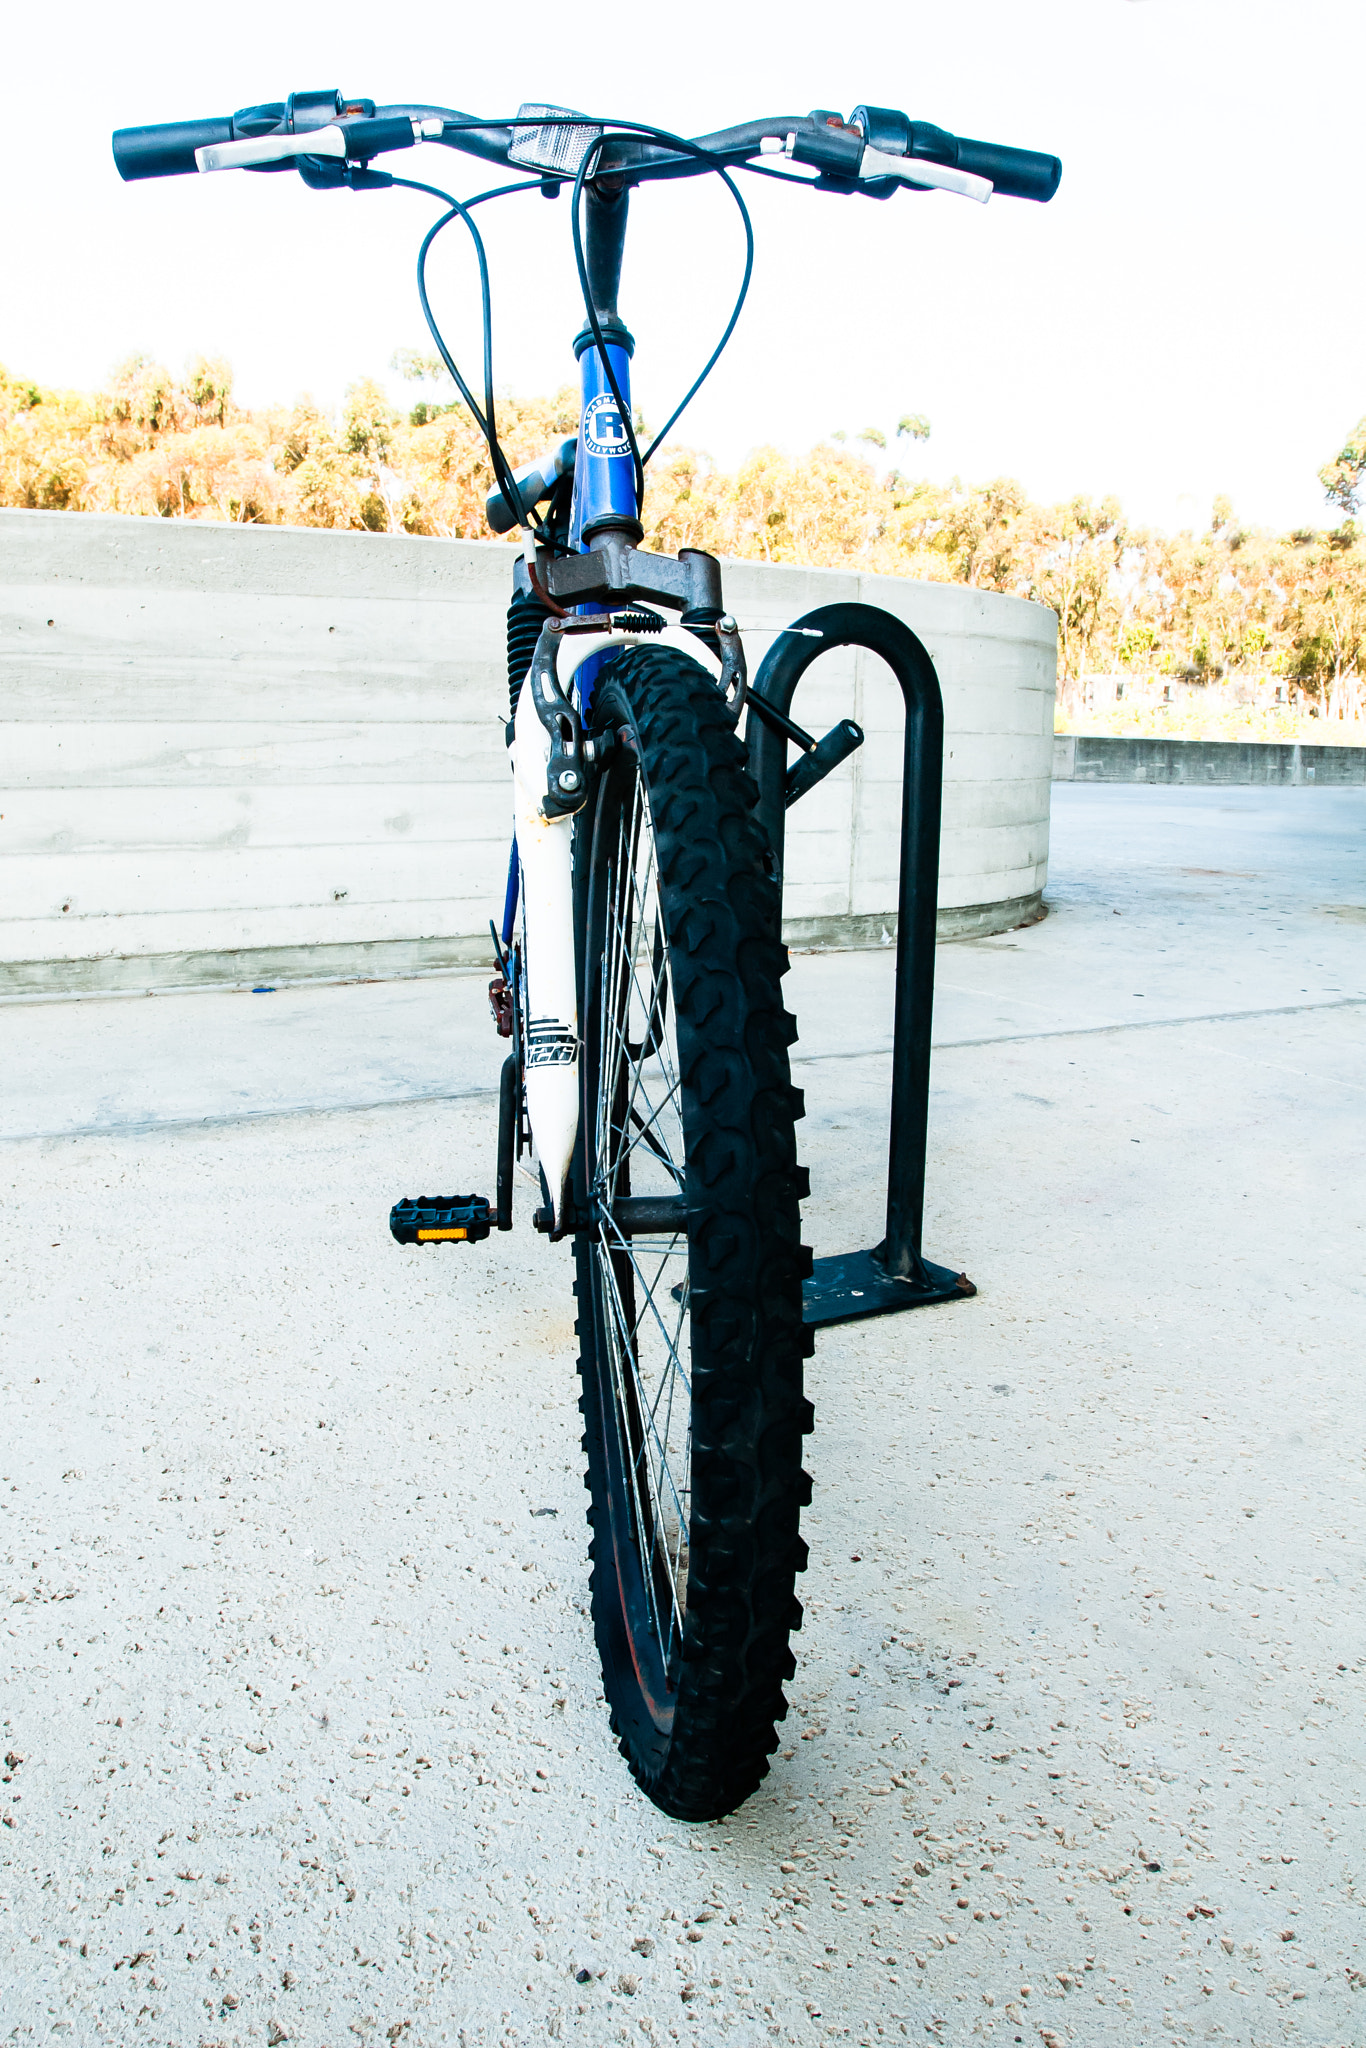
874, 151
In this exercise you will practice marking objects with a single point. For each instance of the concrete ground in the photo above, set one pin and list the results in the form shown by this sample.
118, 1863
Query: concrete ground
293, 1549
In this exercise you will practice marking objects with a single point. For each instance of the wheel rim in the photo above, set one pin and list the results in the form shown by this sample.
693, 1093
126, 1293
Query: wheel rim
642, 1285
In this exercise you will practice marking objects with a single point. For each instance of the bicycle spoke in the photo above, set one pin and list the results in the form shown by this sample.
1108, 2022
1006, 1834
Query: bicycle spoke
648, 1509
643, 1512
645, 1133
638, 1131
623, 1244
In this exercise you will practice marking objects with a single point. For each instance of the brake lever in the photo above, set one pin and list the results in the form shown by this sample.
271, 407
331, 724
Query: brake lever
916, 170
841, 154
363, 138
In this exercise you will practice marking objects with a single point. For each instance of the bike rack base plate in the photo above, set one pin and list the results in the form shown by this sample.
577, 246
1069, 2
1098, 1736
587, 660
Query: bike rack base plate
851, 1285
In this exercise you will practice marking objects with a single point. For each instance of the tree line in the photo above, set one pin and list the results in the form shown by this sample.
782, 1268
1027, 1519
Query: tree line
1228, 604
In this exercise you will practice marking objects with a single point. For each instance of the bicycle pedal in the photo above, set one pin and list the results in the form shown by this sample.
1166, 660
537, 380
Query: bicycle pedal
441, 1219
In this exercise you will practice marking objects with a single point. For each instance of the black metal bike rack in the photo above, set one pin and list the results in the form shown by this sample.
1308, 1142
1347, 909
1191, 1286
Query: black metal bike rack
894, 1274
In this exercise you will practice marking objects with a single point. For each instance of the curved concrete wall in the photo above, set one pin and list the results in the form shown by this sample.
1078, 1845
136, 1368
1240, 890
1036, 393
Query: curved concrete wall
241, 753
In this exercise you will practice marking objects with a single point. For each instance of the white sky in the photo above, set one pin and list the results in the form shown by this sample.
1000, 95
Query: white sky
1184, 318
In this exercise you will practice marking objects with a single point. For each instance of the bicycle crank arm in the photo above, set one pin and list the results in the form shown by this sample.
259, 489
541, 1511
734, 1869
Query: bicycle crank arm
509, 1110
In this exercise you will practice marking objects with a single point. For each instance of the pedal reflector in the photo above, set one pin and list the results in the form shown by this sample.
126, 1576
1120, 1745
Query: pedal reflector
441, 1219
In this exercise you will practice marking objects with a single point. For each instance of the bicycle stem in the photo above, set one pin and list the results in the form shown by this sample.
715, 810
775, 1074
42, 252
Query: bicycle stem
604, 245
605, 497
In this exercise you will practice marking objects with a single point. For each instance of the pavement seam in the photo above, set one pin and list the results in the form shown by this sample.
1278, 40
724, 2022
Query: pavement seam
247, 1116
812, 1059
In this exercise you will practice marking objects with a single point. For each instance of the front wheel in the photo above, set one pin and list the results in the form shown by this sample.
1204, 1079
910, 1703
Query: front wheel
689, 1269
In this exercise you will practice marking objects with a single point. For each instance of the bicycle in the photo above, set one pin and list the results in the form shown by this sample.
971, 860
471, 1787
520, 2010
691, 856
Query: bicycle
641, 985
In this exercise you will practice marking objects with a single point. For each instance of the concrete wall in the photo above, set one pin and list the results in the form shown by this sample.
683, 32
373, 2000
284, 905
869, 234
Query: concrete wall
260, 754
1096, 758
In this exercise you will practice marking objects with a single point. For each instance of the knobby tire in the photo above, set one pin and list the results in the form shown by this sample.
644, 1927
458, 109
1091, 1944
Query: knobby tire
691, 1336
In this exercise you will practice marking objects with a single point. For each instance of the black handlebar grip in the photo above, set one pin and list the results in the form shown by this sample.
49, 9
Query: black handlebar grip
1019, 173
166, 151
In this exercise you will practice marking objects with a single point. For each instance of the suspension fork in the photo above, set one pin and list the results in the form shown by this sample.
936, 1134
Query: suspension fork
603, 502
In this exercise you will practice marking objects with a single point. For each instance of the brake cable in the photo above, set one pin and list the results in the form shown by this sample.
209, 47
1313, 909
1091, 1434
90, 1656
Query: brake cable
486, 419
705, 157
